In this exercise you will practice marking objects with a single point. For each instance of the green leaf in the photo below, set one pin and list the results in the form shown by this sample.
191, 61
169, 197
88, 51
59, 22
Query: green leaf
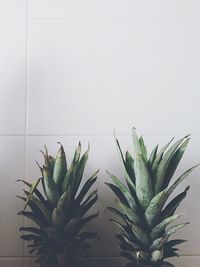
32, 230
35, 208
130, 236
127, 177
129, 255
175, 228
118, 194
120, 150
59, 217
180, 179
60, 167
33, 217
51, 189
174, 163
159, 243
164, 163
153, 156
68, 178
50, 164
173, 204
159, 228
86, 220
130, 166
90, 196
153, 211
166, 264
143, 148
77, 154
170, 254
124, 190
159, 156
125, 247
72, 170
125, 241
42, 208
116, 212
71, 227
52, 234
86, 187
65, 202
173, 243
130, 214
141, 235
88, 204
22, 198
79, 172
35, 191
33, 250
136, 143
32, 189
31, 237
143, 182
122, 227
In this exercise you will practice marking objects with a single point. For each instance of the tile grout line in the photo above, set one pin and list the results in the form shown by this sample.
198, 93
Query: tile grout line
95, 135
26, 116
174, 19
106, 19
180, 19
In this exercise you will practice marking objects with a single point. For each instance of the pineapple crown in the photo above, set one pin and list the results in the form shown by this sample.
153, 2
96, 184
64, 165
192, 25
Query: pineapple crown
59, 209
144, 211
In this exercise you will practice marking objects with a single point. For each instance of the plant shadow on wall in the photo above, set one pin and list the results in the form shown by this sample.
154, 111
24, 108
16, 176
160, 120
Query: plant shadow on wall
59, 210
143, 213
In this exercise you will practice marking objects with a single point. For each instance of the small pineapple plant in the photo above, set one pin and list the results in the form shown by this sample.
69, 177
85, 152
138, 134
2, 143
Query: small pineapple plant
144, 210
59, 210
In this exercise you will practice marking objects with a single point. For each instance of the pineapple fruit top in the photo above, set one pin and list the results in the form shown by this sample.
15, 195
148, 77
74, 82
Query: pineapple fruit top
59, 209
144, 211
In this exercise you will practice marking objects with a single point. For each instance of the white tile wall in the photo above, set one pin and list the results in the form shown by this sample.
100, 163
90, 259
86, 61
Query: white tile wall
74, 70
13, 76
137, 83
12, 168
114, 9
13, 9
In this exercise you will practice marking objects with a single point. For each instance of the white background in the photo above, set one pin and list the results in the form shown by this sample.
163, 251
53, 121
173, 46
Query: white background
74, 70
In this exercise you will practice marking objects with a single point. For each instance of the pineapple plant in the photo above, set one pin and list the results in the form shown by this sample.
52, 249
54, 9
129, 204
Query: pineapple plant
59, 210
144, 210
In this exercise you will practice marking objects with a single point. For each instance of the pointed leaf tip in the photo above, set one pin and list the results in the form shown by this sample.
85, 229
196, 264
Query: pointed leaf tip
46, 150
88, 146
187, 188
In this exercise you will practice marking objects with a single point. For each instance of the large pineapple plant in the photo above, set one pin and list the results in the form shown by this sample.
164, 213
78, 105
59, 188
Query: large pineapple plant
59, 210
144, 210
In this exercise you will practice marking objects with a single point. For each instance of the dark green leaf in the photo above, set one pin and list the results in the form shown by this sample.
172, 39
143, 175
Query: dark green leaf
86, 187
174, 163
118, 194
124, 190
164, 164
173, 204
